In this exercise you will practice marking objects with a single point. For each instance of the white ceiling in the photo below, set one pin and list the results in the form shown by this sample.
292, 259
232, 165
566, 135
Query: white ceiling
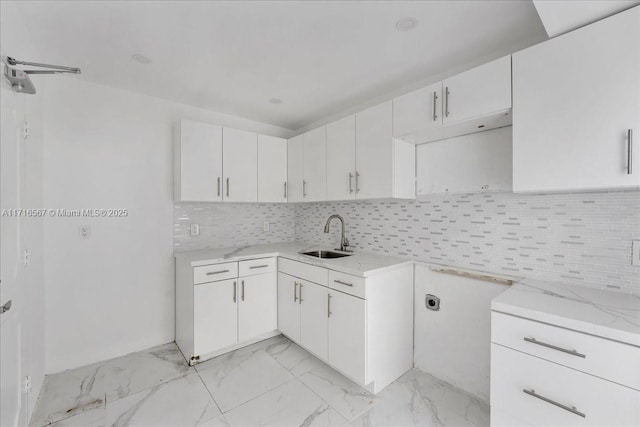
320, 58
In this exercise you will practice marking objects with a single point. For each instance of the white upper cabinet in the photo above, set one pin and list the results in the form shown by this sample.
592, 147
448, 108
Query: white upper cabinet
417, 110
384, 167
341, 159
295, 164
197, 158
475, 100
480, 91
272, 169
576, 103
314, 170
240, 165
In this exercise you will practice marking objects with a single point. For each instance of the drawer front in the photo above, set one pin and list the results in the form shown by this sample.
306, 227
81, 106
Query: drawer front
301, 270
256, 266
604, 358
542, 393
347, 283
215, 272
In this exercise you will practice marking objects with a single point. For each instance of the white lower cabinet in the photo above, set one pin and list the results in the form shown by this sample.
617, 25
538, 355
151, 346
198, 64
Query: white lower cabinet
215, 316
364, 331
347, 332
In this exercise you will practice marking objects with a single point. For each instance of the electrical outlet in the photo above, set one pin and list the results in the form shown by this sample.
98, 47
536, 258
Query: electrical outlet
27, 384
84, 231
265, 226
194, 230
26, 257
635, 252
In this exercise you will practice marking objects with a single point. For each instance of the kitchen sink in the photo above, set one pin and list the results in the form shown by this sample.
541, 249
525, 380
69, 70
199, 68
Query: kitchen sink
325, 254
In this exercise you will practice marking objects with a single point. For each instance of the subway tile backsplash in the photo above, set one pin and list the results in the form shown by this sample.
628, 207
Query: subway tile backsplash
231, 224
579, 238
583, 239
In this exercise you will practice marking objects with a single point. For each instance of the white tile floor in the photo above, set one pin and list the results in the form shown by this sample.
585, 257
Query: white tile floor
270, 383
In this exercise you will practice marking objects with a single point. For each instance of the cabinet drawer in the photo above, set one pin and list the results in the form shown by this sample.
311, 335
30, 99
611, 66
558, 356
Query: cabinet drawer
604, 358
347, 283
256, 266
301, 270
543, 393
215, 272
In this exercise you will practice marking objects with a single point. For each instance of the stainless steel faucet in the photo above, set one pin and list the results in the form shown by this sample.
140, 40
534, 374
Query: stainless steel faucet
344, 242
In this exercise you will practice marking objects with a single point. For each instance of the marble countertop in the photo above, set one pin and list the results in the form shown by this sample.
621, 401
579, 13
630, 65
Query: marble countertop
362, 264
607, 314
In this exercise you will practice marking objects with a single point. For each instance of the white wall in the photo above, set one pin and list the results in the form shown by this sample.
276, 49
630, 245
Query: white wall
454, 343
105, 148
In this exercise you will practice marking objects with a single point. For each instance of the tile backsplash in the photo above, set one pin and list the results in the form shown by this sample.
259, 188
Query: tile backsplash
580, 238
231, 224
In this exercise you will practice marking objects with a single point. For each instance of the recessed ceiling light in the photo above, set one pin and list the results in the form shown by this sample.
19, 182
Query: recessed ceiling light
406, 24
275, 101
140, 58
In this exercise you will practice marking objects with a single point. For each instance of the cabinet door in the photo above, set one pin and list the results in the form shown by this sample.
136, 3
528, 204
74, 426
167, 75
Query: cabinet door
288, 306
272, 169
313, 318
295, 163
341, 159
198, 162
347, 334
215, 316
315, 165
480, 91
420, 109
374, 152
257, 309
575, 98
240, 165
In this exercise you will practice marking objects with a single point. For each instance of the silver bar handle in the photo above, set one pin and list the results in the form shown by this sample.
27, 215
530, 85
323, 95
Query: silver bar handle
629, 151
6, 307
258, 266
300, 294
340, 282
235, 291
285, 190
227, 187
571, 409
357, 182
304, 188
446, 101
551, 346
242, 292
218, 186
211, 273
435, 113
295, 291
350, 179
328, 305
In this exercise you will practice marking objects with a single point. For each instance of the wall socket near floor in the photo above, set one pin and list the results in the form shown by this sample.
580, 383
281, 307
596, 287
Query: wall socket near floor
84, 231
265, 226
635, 252
194, 230
26, 257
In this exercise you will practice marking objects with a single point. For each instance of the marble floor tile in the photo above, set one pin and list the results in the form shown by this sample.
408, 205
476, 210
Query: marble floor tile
402, 404
91, 418
260, 345
287, 353
181, 402
348, 398
219, 421
235, 378
143, 370
69, 393
290, 404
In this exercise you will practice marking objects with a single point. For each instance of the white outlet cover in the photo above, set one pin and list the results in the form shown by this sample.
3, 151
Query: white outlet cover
84, 231
194, 230
265, 226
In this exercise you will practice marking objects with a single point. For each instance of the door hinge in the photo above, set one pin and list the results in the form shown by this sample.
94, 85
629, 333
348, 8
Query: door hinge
27, 384
25, 130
